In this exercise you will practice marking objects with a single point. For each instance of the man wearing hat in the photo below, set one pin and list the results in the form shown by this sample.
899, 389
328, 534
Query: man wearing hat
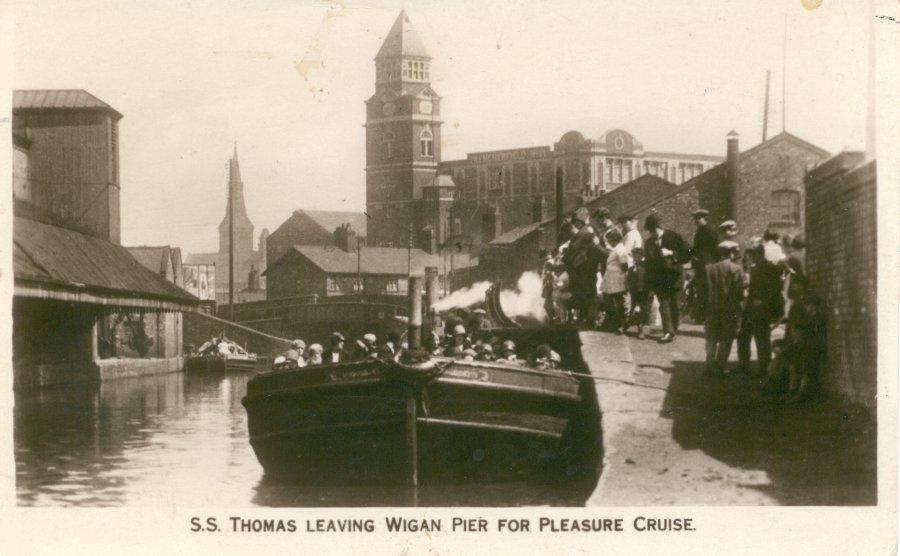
665, 252
704, 252
336, 352
725, 292
478, 321
580, 260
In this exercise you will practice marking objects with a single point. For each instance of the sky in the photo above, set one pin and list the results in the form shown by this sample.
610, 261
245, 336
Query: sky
287, 81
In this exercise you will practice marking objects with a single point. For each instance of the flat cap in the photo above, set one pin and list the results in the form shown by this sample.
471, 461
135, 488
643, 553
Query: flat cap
700, 213
728, 224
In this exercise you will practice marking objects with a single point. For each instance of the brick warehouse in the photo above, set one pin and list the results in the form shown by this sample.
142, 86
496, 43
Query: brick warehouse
414, 196
841, 232
762, 187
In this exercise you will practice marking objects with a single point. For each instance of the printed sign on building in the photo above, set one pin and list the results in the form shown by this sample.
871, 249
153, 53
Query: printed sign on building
200, 280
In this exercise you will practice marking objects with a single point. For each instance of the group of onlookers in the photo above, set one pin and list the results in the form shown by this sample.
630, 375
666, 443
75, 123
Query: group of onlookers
631, 270
737, 294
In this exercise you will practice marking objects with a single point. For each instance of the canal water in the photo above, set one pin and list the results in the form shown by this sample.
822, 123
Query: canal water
181, 440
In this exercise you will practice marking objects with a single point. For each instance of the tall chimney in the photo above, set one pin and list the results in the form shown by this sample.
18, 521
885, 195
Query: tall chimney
559, 199
414, 335
731, 172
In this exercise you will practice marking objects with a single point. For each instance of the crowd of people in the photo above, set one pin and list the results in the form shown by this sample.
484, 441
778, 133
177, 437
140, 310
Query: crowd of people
605, 274
456, 343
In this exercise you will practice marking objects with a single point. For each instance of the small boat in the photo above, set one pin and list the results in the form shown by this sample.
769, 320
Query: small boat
213, 356
443, 420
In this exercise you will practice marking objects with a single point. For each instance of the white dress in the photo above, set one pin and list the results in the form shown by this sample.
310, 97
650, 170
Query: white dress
614, 281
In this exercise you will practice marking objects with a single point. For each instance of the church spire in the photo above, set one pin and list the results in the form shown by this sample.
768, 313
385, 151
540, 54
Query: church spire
242, 222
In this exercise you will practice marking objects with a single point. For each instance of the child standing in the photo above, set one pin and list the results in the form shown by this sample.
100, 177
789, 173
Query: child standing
638, 292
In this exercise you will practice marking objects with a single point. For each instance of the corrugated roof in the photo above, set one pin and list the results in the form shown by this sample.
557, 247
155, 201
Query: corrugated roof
402, 40
26, 99
59, 256
332, 219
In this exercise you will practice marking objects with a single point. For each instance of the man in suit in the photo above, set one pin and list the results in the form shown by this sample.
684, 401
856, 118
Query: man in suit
704, 252
763, 308
725, 292
665, 253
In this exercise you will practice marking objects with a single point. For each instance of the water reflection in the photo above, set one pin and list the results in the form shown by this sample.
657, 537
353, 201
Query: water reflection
181, 440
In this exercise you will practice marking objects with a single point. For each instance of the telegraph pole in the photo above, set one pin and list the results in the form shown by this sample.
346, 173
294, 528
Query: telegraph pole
230, 245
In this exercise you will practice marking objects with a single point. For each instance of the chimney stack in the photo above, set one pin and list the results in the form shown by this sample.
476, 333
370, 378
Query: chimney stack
731, 171
345, 238
414, 333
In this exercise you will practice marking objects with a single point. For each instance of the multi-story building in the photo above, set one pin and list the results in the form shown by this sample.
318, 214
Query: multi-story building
84, 309
414, 196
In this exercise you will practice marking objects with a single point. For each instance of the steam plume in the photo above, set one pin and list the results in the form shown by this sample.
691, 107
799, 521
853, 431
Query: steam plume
527, 301
464, 297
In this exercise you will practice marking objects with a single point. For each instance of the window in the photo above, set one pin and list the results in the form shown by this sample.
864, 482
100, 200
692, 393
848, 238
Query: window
786, 207
457, 226
332, 286
388, 145
392, 287
402, 285
426, 140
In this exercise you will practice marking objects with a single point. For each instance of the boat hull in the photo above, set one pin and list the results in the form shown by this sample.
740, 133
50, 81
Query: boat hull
473, 422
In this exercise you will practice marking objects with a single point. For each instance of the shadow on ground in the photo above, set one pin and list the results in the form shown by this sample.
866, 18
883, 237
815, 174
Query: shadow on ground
815, 453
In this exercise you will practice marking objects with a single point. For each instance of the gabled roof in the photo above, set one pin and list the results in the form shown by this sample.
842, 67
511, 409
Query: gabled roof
64, 260
332, 219
718, 172
402, 40
156, 259
31, 99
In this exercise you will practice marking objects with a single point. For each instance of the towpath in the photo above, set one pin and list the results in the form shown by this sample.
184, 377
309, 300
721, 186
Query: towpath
675, 437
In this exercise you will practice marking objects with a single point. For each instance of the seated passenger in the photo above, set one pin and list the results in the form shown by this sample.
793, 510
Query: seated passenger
295, 353
508, 353
546, 358
391, 346
314, 354
366, 348
432, 344
460, 342
468, 354
484, 352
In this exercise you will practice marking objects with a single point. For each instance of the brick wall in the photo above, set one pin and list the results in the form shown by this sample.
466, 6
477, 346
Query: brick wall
841, 262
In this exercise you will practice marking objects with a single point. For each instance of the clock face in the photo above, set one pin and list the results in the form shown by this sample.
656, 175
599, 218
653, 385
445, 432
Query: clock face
388, 108
426, 107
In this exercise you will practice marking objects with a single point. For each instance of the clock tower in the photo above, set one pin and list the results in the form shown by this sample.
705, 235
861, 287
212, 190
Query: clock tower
403, 138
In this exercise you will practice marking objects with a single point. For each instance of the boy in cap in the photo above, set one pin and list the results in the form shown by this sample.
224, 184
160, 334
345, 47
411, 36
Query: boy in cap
638, 293
725, 292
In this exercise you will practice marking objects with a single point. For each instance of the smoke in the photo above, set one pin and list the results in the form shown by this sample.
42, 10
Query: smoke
527, 301
464, 297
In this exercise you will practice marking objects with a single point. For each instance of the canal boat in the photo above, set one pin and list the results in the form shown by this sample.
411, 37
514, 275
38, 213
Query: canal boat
467, 420
221, 356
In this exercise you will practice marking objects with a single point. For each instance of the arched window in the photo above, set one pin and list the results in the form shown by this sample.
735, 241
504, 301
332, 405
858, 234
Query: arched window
426, 140
785, 206
388, 145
